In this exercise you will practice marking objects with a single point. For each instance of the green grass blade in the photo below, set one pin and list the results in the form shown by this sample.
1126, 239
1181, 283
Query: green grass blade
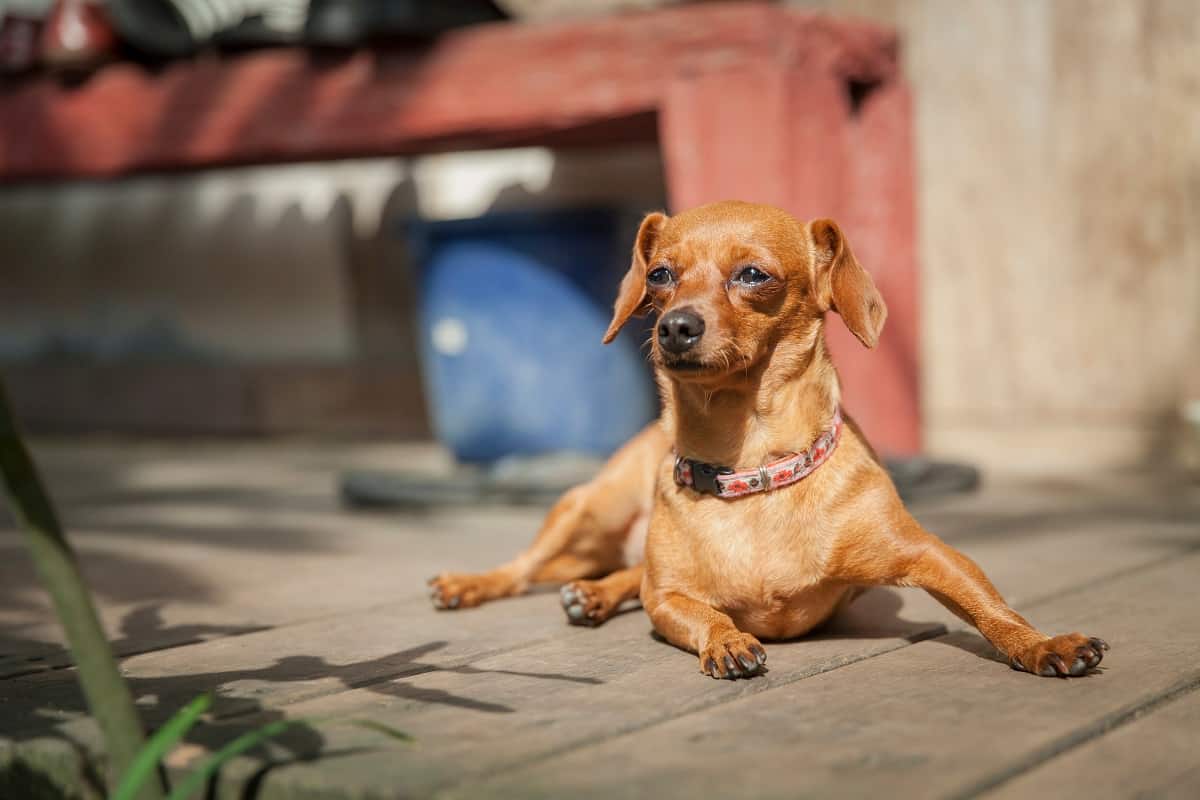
147, 759
106, 692
379, 727
195, 779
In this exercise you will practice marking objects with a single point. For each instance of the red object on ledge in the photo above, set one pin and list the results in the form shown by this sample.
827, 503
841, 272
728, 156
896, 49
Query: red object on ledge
77, 36
747, 100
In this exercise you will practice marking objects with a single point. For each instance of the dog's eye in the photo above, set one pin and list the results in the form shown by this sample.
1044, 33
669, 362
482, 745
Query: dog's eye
660, 276
751, 276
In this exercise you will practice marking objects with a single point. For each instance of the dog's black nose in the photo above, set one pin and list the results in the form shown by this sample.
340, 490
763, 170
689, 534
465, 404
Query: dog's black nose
678, 331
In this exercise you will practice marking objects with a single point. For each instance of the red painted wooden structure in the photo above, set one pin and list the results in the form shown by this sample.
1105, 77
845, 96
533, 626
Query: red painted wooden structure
747, 100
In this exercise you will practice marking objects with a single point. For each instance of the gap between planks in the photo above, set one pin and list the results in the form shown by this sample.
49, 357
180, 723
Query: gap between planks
1078, 738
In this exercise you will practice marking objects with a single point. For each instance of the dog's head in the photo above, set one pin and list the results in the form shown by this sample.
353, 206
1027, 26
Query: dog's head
730, 281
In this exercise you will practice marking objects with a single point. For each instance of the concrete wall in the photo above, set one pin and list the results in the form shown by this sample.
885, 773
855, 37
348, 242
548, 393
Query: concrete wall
1059, 223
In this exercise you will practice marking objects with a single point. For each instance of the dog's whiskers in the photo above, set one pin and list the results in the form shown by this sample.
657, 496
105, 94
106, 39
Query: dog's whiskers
648, 349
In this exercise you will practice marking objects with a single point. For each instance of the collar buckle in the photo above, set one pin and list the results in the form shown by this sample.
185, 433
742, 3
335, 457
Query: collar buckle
704, 477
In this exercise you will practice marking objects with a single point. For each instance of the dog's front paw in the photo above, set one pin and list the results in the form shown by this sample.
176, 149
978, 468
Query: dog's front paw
732, 655
1067, 656
458, 590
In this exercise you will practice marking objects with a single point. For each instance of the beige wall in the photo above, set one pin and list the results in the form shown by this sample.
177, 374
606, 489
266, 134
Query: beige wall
1059, 231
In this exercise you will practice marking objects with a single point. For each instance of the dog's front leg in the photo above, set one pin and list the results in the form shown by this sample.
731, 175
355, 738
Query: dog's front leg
582, 536
569, 515
959, 584
725, 652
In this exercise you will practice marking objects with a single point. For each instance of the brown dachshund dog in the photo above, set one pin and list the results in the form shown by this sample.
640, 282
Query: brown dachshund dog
759, 510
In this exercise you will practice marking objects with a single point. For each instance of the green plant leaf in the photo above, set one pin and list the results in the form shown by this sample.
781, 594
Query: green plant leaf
195, 779
149, 756
146, 761
106, 692
379, 727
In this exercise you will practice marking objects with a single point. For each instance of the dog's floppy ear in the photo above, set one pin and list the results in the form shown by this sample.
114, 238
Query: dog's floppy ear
631, 297
843, 285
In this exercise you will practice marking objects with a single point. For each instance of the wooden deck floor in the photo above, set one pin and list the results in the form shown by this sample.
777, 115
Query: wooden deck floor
233, 568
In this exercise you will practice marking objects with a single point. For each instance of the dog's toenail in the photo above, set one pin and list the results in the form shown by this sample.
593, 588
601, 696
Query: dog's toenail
747, 662
575, 611
1078, 667
454, 601
1055, 661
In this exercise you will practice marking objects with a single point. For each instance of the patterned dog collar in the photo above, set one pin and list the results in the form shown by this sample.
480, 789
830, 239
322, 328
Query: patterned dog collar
726, 483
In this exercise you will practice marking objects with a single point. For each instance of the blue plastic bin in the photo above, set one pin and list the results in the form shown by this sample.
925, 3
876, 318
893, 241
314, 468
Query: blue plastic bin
512, 308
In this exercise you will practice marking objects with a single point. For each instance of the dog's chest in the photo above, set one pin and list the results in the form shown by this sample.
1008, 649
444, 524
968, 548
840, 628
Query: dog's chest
758, 551
766, 569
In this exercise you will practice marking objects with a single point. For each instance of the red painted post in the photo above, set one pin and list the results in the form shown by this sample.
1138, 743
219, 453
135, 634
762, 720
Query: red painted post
883, 386
785, 131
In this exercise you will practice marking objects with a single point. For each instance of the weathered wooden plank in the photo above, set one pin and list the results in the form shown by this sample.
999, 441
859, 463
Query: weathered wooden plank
293, 662
178, 554
940, 718
552, 697
167, 592
511, 682
180, 548
1151, 756
526, 704
1024, 565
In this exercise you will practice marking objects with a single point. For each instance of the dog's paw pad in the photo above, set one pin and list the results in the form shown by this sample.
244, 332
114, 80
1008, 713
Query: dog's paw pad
732, 656
584, 603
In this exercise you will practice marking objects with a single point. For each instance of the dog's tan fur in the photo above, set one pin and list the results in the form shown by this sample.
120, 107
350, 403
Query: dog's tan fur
718, 574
